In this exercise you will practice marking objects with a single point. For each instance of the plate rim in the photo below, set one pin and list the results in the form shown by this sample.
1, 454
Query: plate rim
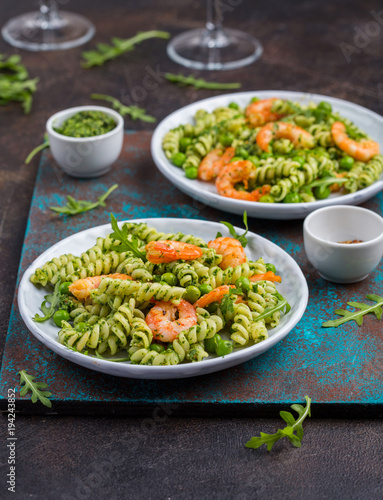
288, 211
176, 371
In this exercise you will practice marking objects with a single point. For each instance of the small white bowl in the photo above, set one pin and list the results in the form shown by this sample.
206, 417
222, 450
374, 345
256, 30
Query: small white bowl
324, 229
85, 156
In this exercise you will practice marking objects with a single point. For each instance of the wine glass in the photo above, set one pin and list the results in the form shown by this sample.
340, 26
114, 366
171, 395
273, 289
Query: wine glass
213, 47
48, 29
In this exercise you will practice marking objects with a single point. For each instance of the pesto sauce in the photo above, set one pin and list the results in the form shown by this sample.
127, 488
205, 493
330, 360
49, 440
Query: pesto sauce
87, 124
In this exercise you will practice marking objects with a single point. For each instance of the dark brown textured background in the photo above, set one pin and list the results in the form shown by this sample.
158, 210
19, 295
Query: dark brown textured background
166, 457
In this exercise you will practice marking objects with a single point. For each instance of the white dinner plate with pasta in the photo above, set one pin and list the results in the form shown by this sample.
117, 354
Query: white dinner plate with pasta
274, 158
113, 319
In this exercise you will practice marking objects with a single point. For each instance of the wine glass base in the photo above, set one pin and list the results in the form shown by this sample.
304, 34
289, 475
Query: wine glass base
202, 49
30, 32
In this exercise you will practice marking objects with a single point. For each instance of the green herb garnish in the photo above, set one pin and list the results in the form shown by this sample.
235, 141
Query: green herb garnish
74, 207
325, 182
199, 83
293, 426
134, 112
241, 238
269, 311
14, 82
127, 245
87, 124
34, 387
54, 300
227, 303
37, 149
358, 315
105, 52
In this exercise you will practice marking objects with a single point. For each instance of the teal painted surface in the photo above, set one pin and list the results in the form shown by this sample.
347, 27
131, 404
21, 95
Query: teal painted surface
334, 365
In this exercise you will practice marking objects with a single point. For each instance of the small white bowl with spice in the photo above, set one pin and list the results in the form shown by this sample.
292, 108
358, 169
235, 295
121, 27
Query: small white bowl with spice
86, 140
344, 243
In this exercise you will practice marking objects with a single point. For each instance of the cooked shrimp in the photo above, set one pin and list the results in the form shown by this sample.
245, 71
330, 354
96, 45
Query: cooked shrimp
258, 113
269, 276
215, 295
231, 249
233, 173
159, 252
167, 321
213, 162
281, 130
362, 150
81, 288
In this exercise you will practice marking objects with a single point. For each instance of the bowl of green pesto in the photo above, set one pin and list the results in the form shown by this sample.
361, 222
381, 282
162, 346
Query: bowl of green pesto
86, 140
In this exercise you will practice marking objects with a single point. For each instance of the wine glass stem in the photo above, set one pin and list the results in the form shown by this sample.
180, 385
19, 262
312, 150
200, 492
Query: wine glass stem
49, 14
214, 16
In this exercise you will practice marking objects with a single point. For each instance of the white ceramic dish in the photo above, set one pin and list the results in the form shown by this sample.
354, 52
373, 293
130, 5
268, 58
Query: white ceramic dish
325, 229
85, 156
204, 192
293, 287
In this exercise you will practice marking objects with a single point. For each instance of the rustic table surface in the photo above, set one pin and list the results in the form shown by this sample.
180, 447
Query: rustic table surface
332, 48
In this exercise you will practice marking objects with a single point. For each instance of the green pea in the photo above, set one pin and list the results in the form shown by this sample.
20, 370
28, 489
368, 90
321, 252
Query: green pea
270, 267
299, 159
59, 316
204, 289
191, 172
233, 105
319, 114
164, 283
322, 192
346, 163
170, 279
184, 143
224, 347
266, 155
226, 139
178, 159
212, 343
192, 294
157, 347
267, 198
292, 198
81, 327
325, 106
64, 288
254, 159
212, 308
254, 99
236, 158
243, 283
242, 153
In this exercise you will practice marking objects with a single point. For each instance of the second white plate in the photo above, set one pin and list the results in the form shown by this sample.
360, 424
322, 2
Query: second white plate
205, 192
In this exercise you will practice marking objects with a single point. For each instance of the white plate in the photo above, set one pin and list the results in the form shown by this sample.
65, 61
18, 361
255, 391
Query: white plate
205, 192
293, 288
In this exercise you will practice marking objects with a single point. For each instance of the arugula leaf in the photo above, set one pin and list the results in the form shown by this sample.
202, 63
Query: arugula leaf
37, 149
269, 311
122, 235
118, 360
14, 82
53, 299
74, 207
134, 112
292, 426
357, 315
105, 52
34, 387
241, 238
325, 182
199, 83
227, 303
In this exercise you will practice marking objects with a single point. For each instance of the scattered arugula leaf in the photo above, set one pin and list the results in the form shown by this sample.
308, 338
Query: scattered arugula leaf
53, 299
134, 112
199, 83
14, 82
34, 387
282, 304
227, 303
326, 182
122, 235
358, 315
241, 238
74, 207
105, 52
292, 426
118, 360
37, 149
